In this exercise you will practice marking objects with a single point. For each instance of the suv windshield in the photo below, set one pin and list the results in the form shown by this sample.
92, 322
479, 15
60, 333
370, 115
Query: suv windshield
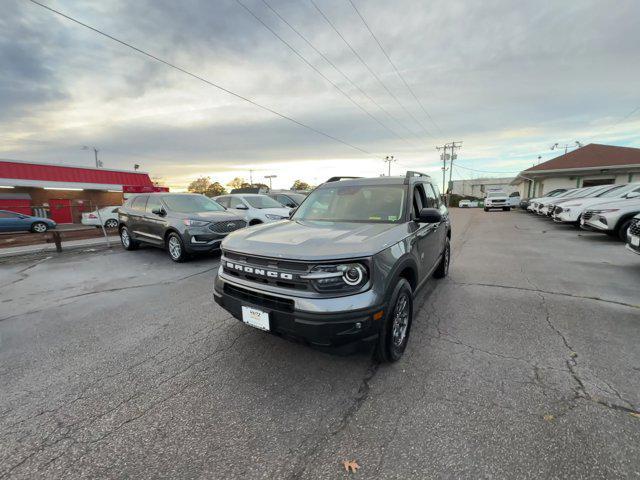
191, 203
356, 203
262, 201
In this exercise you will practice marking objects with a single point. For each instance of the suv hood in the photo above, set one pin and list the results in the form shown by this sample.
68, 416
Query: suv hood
626, 204
213, 216
283, 211
312, 240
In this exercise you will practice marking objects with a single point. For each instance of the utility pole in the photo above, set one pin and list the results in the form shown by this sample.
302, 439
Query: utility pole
388, 159
444, 158
270, 177
452, 146
251, 177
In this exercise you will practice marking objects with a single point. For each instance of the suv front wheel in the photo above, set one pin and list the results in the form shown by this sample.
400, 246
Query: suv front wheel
394, 333
176, 248
125, 238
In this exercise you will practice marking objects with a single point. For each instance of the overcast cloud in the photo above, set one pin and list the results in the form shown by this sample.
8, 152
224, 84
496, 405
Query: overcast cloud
508, 78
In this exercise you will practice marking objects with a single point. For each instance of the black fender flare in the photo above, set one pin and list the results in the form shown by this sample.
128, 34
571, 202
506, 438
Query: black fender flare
405, 262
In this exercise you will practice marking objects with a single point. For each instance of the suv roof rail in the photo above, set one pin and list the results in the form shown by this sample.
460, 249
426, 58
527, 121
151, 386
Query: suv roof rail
337, 179
411, 174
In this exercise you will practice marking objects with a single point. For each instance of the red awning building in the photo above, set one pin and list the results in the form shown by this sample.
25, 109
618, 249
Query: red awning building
63, 192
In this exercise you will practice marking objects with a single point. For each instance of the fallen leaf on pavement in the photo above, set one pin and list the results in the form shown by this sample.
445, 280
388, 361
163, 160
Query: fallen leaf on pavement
635, 414
549, 418
350, 465
573, 354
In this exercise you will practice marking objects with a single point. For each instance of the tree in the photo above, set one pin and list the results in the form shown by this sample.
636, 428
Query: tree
200, 185
238, 182
300, 185
215, 189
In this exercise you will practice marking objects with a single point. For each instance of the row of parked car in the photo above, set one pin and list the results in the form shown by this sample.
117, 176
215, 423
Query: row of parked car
187, 223
610, 209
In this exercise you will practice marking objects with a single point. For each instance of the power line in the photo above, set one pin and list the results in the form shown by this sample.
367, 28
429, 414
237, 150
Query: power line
315, 69
394, 66
208, 82
484, 171
374, 74
336, 68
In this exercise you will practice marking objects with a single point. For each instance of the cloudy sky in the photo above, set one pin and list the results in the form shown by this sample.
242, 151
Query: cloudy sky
507, 78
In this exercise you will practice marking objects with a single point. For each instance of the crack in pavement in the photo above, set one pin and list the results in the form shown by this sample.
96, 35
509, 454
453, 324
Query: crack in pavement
108, 290
536, 290
580, 392
69, 431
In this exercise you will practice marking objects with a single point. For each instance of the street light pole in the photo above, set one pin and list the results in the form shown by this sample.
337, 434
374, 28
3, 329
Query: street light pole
270, 177
95, 155
388, 159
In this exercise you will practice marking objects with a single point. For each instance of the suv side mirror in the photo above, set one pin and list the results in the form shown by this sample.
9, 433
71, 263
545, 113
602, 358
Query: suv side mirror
159, 211
429, 215
241, 206
633, 195
292, 211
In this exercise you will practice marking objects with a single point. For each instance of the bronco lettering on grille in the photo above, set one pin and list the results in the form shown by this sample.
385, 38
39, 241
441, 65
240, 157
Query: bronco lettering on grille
259, 271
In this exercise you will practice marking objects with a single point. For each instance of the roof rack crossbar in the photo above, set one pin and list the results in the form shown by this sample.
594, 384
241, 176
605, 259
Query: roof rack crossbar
411, 174
337, 179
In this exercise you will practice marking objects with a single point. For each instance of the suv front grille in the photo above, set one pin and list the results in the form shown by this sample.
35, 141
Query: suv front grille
227, 226
587, 215
261, 266
634, 228
260, 299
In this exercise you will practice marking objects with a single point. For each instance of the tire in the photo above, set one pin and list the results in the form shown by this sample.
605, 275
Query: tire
622, 229
111, 223
442, 270
175, 248
486, 209
394, 333
39, 227
255, 222
127, 242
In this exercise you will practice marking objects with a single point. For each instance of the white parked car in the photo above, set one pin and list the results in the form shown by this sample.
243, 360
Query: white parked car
496, 200
467, 204
108, 215
612, 218
535, 202
570, 211
549, 205
254, 208
633, 235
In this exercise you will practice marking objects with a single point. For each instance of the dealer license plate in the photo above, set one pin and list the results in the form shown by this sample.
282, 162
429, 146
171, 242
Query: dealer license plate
635, 241
256, 318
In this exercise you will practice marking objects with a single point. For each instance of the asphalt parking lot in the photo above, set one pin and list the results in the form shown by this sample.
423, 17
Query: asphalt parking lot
523, 363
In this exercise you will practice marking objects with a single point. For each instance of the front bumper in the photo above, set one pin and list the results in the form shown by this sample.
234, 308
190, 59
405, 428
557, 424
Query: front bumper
317, 325
199, 239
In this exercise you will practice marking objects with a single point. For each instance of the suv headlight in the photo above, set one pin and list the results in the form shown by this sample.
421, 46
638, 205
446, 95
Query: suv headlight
274, 217
340, 277
194, 223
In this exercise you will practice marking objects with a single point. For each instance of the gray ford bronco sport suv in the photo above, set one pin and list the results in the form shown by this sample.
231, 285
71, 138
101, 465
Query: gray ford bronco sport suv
344, 268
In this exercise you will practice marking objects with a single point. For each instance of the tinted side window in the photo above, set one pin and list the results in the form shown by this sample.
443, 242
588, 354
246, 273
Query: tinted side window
153, 203
418, 200
432, 198
139, 203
